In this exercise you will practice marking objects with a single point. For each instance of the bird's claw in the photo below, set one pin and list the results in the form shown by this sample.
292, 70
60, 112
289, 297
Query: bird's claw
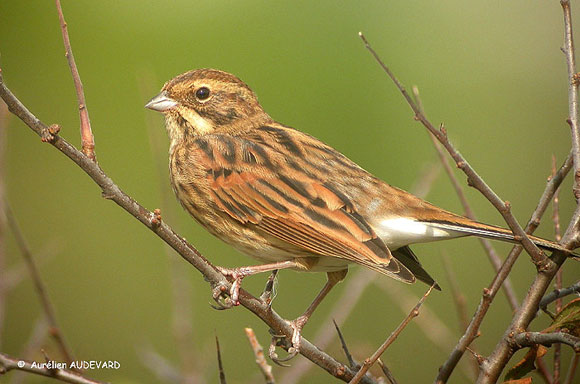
293, 347
221, 297
237, 275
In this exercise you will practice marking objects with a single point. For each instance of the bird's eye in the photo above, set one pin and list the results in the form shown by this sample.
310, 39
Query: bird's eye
202, 93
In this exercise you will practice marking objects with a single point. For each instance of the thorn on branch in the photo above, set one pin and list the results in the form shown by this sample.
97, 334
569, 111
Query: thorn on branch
351, 361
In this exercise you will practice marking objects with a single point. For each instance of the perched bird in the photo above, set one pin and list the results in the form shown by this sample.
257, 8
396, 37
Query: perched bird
286, 198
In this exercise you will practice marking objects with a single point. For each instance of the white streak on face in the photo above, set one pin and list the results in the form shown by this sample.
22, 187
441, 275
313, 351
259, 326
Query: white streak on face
201, 125
398, 232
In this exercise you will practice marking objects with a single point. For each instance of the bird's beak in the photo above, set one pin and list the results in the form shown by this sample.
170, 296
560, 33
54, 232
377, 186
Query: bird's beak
161, 103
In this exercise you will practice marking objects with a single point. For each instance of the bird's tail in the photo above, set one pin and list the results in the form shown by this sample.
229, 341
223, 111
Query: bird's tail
475, 228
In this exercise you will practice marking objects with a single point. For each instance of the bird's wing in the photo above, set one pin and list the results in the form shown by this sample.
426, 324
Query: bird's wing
252, 183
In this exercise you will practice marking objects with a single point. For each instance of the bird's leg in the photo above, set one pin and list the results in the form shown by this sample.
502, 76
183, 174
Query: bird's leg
237, 274
299, 323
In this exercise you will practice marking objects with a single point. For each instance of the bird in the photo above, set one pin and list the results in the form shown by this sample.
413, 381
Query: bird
289, 200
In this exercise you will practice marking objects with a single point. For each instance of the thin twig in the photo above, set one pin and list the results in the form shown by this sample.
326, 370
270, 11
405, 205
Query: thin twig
387, 372
573, 117
490, 292
460, 304
429, 323
557, 237
349, 358
222, 373
527, 339
3, 264
473, 179
494, 364
371, 360
572, 369
485, 243
265, 368
543, 371
559, 293
8, 363
187, 251
164, 371
36, 339
87, 138
41, 290
540, 260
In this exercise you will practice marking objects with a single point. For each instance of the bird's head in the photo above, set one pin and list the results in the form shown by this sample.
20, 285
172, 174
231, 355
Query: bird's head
205, 101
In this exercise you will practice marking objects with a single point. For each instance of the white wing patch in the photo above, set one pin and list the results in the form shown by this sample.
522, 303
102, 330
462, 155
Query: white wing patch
401, 231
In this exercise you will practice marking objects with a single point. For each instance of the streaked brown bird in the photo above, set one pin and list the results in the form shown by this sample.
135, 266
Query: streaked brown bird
286, 198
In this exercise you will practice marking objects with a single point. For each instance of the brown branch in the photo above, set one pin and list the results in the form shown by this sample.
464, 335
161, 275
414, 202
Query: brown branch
528, 339
371, 360
265, 368
41, 291
485, 243
433, 328
557, 237
542, 262
8, 364
87, 138
494, 364
3, 264
111, 191
460, 303
490, 292
473, 179
386, 371
569, 52
558, 294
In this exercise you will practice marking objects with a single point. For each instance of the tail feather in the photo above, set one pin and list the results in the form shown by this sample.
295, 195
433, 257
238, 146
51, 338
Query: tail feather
409, 260
497, 233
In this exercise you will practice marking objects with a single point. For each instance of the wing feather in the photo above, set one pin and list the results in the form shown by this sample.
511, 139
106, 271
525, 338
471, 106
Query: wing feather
258, 187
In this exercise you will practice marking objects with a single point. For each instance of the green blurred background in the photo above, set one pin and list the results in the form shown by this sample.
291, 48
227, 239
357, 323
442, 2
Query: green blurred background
491, 71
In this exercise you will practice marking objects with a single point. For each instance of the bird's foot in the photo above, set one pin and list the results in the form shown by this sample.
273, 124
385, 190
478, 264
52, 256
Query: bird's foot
236, 275
292, 346
222, 297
